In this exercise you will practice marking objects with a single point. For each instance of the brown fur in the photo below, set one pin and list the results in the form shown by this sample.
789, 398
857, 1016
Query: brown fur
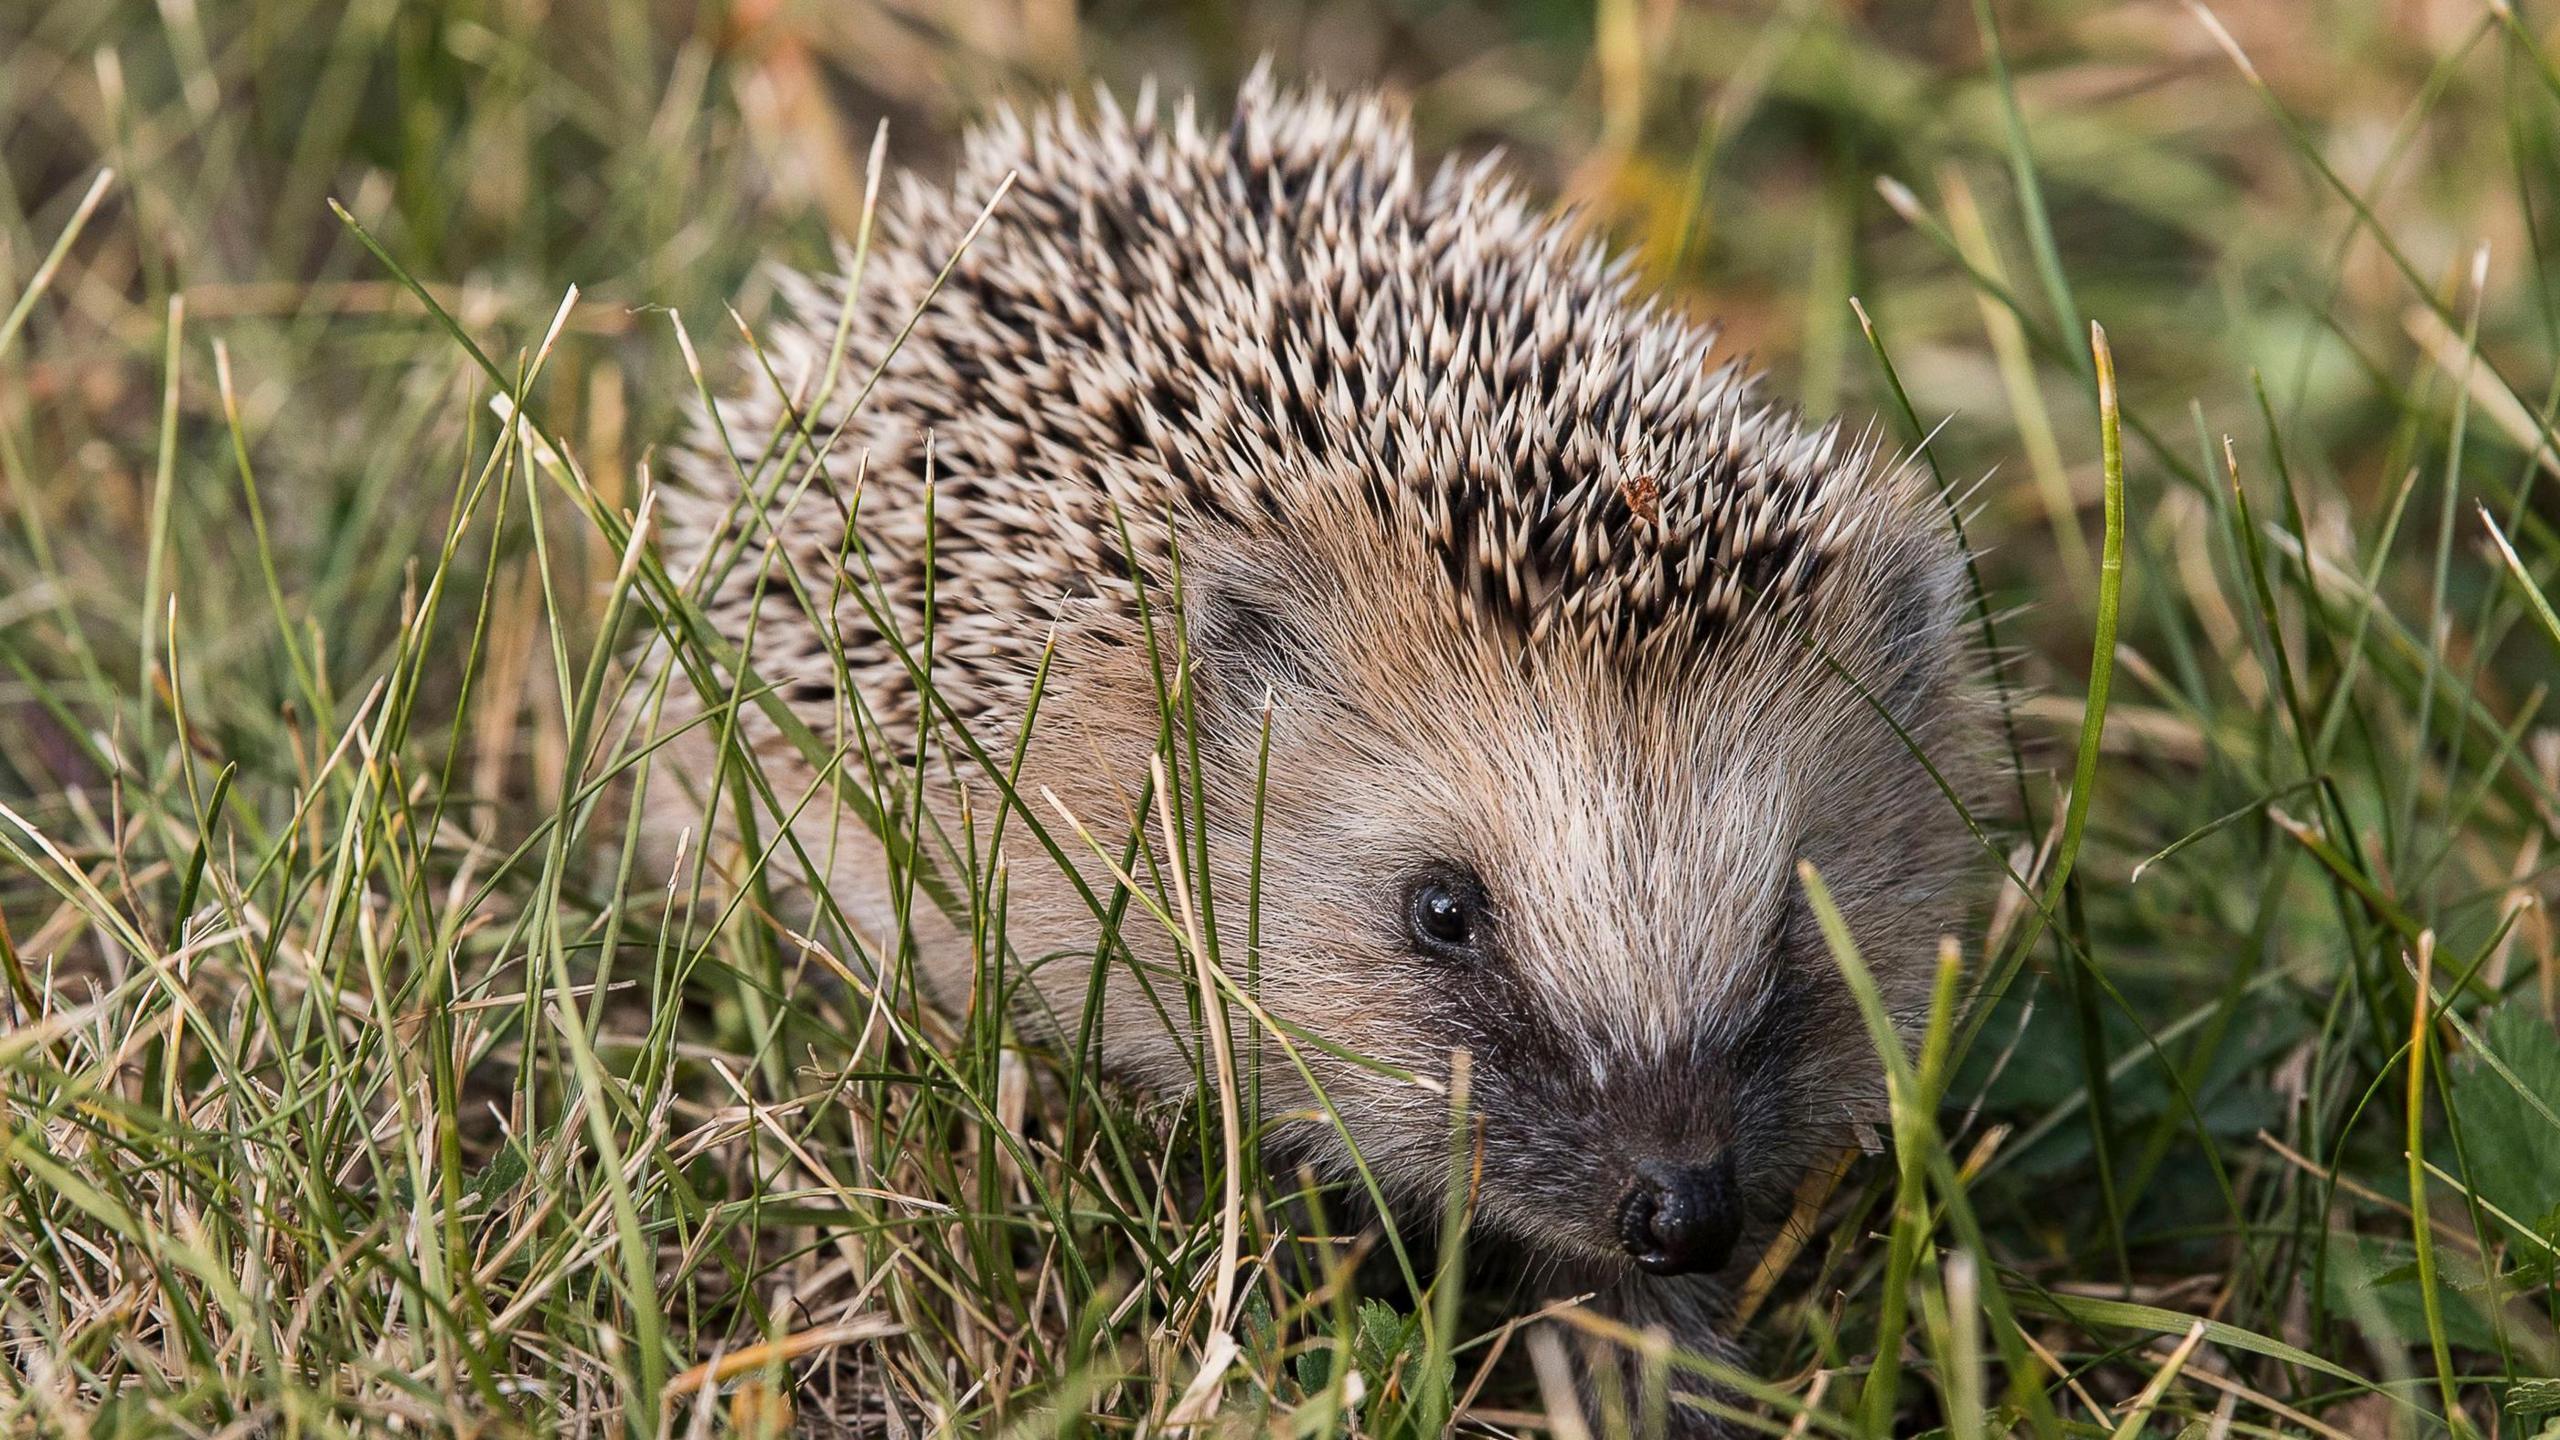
1517, 579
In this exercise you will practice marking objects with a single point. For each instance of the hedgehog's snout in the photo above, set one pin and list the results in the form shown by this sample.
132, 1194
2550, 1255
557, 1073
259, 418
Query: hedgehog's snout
1682, 1219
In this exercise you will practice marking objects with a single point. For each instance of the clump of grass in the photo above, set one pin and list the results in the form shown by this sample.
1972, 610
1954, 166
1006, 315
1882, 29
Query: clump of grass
371, 1066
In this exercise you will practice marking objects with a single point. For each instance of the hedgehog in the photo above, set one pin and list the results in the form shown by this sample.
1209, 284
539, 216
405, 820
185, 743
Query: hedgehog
1519, 652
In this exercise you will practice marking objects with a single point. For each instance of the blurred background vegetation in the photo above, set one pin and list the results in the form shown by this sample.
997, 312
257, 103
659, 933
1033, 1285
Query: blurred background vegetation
2319, 237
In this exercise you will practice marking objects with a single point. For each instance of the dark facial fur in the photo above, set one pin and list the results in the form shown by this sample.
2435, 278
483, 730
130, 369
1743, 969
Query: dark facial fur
1526, 590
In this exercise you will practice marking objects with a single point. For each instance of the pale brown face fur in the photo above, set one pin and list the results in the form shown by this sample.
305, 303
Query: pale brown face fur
1648, 987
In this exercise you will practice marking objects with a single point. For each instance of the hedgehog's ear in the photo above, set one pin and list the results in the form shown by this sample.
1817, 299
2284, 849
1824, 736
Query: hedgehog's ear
1244, 646
1916, 642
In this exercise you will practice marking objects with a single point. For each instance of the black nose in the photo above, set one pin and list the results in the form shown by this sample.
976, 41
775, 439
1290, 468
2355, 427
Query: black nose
1682, 1220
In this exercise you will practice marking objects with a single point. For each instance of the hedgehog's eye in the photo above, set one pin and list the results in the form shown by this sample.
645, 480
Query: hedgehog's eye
1444, 915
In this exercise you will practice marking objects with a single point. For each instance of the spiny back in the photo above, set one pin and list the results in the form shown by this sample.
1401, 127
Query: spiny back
1242, 327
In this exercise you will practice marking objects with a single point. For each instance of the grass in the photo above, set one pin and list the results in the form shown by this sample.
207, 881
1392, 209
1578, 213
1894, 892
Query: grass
365, 1071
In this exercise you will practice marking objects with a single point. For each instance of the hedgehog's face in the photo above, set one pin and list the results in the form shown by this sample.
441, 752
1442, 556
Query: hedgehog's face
1586, 881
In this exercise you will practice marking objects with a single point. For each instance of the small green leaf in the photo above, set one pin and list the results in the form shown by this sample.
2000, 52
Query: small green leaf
2367, 1272
2534, 1397
1381, 1336
1314, 1370
504, 1172
2504, 1091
